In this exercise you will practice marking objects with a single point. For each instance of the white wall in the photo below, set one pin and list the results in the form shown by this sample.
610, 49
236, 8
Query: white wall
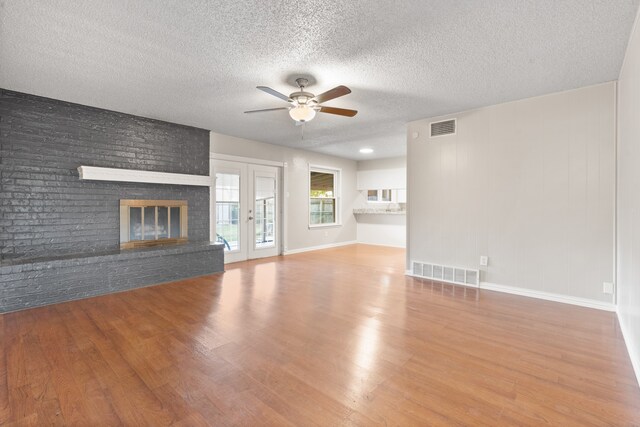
628, 208
382, 229
528, 183
382, 173
298, 234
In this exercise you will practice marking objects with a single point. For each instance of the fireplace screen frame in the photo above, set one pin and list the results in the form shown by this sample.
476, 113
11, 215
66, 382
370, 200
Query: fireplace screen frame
125, 216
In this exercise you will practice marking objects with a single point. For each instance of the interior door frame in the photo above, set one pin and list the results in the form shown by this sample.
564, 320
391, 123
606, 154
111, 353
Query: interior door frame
281, 190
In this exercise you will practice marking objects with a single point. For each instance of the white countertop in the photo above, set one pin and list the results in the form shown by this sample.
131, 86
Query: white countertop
379, 211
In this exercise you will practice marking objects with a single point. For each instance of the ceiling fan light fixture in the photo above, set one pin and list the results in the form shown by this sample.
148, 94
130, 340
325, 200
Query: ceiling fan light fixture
302, 113
303, 106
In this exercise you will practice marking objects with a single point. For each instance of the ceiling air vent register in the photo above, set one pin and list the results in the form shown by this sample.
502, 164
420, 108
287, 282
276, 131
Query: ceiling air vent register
446, 127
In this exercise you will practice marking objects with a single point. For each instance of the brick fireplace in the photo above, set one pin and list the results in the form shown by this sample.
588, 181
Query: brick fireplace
61, 235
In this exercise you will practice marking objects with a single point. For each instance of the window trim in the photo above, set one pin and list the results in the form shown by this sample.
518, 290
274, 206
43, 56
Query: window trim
337, 181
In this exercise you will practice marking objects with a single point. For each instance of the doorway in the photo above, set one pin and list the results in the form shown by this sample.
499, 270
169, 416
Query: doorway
246, 209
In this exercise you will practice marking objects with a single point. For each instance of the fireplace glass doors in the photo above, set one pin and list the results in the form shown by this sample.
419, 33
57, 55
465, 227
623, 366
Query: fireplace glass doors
152, 222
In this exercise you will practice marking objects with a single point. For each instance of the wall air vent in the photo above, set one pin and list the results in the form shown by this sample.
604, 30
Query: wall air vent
445, 273
446, 127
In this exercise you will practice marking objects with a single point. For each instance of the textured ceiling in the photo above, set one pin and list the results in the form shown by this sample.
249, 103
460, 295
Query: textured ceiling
198, 62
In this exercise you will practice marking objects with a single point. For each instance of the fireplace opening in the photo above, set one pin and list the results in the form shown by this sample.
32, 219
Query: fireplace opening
152, 222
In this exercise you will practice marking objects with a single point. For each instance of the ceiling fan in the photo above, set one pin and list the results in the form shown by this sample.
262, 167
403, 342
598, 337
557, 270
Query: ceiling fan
305, 105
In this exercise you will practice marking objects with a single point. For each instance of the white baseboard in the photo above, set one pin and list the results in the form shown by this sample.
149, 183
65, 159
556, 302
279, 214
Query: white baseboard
382, 244
635, 357
566, 299
316, 248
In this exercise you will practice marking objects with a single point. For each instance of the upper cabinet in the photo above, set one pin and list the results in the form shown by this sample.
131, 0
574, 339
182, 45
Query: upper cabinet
394, 179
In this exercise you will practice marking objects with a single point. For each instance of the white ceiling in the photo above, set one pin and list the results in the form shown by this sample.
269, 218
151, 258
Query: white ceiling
197, 62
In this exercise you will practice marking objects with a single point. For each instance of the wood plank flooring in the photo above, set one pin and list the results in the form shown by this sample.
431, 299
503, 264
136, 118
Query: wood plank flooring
334, 337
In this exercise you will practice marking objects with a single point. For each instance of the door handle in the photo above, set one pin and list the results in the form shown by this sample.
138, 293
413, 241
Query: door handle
250, 218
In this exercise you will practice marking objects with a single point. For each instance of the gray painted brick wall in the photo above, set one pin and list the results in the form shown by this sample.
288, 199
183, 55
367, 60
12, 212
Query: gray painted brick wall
45, 208
60, 235
40, 283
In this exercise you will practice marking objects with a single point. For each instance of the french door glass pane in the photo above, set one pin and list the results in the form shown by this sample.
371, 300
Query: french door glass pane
228, 210
265, 211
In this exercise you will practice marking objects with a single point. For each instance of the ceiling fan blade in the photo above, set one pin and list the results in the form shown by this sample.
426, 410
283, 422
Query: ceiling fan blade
266, 109
274, 93
338, 111
332, 94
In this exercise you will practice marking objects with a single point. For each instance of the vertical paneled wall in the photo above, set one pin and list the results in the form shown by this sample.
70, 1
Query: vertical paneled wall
628, 211
530, 184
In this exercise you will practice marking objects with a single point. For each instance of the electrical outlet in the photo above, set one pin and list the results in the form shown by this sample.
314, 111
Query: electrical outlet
326, 234
607, 288
484, 261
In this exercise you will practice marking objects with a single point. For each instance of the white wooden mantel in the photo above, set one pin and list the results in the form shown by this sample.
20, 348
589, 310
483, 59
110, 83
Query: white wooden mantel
93, 173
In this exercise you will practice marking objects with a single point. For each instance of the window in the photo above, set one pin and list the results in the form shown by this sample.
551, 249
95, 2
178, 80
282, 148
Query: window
152, 222
381, 196
324, 196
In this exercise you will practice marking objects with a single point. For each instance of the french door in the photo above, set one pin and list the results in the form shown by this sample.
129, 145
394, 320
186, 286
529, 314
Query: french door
247, 209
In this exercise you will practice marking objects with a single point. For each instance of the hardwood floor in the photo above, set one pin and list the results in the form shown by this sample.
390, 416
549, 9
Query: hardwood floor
333, 337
